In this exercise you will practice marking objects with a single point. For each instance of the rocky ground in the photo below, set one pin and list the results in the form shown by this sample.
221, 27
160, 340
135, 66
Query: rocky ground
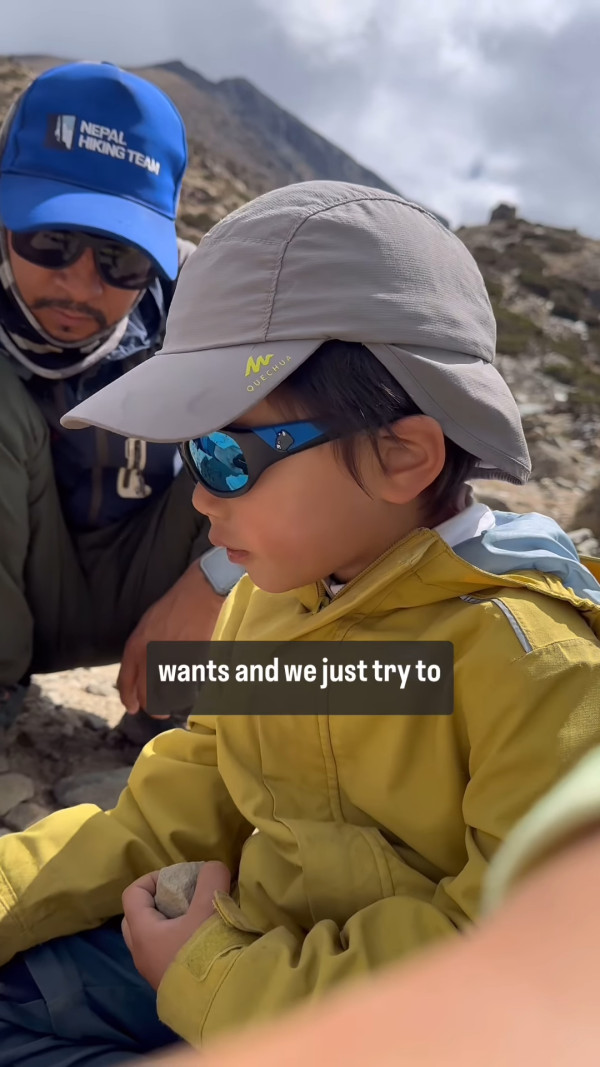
63, 749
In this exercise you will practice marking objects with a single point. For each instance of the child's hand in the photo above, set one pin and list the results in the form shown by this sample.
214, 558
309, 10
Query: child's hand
153, 940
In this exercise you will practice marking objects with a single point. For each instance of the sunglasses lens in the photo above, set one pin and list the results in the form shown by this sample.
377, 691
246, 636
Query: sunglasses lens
51, 249
219, 462
123, 266
118, 264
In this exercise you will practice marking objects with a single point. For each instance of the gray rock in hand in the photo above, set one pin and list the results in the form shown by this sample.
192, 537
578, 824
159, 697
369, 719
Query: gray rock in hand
175, 888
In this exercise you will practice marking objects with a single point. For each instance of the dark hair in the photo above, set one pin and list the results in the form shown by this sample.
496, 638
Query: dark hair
344, 385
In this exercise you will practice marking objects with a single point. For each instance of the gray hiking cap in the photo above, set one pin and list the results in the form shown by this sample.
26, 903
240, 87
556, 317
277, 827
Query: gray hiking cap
306, 264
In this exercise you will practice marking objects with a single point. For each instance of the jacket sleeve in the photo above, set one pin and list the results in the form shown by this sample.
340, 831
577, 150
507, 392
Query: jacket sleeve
227, 975
67, 872
541, 715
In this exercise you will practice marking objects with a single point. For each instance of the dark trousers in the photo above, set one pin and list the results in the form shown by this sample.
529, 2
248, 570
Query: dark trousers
78, 1002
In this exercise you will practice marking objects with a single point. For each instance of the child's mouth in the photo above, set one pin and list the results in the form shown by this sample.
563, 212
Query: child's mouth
237, 555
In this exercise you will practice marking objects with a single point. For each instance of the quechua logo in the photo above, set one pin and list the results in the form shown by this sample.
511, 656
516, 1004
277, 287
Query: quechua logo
253, 365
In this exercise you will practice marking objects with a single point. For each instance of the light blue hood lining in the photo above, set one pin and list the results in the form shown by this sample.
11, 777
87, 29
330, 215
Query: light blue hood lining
530, 543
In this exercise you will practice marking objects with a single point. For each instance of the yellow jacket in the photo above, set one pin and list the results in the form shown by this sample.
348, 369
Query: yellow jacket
374, 833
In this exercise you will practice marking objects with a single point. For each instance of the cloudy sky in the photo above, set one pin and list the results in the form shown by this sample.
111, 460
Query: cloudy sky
457, 103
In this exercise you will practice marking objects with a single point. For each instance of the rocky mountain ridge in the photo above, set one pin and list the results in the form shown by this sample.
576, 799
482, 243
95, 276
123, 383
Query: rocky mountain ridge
239, 138
544, 285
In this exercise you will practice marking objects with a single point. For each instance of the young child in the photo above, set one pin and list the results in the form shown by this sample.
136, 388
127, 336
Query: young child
352, 330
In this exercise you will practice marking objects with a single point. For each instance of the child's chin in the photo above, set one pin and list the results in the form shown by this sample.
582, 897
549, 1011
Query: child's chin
274, 583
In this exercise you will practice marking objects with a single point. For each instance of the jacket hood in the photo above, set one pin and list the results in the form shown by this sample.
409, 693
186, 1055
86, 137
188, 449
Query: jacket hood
525, 551
532, 542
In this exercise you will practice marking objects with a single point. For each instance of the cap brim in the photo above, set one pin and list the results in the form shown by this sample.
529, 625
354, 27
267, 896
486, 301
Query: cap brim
470, 400
177, 396
29, 203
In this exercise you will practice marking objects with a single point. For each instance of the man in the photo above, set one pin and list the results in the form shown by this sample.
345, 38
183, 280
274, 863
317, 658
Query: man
99, 543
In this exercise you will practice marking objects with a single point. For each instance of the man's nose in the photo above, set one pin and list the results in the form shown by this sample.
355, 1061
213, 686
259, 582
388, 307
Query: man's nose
81, 280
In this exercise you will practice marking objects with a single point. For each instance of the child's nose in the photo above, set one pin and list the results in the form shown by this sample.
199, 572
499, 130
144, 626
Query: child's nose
206, 503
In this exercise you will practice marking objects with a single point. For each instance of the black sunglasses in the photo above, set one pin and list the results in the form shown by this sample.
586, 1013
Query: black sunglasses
229, 462
118, 264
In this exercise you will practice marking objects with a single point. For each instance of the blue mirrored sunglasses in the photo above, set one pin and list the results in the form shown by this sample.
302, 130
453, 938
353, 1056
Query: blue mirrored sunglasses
229, 462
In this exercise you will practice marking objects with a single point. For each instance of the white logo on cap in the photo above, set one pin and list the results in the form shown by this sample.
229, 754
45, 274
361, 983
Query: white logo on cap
110, 141
63, 130
67, 132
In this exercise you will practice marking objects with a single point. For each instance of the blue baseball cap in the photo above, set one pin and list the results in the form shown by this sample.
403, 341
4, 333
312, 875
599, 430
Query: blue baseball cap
91, 147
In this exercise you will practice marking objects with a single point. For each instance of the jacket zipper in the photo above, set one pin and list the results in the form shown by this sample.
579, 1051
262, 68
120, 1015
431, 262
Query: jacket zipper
327, 599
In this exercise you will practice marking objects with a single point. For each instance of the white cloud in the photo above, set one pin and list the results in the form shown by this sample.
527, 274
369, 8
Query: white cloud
459, 103
335, 27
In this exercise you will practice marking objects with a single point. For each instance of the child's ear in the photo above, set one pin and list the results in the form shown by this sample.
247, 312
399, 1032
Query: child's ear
413, 454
